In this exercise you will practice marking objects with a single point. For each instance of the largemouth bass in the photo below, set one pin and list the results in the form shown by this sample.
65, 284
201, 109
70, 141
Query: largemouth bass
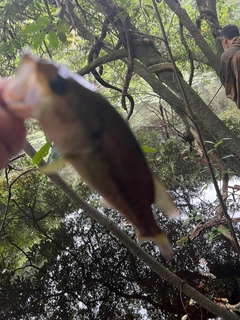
94, 138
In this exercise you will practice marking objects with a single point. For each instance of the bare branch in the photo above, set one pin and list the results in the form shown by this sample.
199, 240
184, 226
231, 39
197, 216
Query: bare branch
192, 28
136, 250
210, 224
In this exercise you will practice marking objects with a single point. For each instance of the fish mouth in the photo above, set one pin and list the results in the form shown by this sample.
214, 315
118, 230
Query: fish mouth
21, 92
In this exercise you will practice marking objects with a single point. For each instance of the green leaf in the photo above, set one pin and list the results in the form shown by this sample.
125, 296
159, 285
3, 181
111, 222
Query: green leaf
62, 36
41, 153
38, 40
148, 149
61, 26
222, 230
218, 143
43, 21
197, 217
228, 156
53, 39
32, 28
209, 151
182, 241
186, 222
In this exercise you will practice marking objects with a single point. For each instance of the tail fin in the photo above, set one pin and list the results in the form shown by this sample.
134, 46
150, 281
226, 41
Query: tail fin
163, 243
163, 199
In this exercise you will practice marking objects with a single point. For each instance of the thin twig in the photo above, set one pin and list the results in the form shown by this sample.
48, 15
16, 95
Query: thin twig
10, 194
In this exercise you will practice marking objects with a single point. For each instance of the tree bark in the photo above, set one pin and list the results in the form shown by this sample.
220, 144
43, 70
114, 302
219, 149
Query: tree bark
211, 127
193, 30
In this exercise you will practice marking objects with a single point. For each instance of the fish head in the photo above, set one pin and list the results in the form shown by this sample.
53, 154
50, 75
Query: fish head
49, 93
25, 92
39, 84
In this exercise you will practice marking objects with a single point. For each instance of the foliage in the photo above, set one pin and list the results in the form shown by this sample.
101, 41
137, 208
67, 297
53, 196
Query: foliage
57, 263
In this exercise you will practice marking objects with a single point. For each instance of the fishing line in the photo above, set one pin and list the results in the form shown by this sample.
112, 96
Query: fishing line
215, 95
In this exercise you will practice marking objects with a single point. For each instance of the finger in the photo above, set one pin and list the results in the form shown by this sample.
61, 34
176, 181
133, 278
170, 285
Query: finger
12, 132
3, 83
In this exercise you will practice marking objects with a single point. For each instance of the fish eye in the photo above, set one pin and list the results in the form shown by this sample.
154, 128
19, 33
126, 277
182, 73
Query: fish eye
58, 85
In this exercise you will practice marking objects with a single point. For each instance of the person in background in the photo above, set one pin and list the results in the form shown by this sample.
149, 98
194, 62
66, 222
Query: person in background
12, 132
230, 62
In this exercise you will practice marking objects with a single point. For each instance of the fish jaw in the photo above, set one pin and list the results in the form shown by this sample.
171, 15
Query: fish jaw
21, 92
28, 94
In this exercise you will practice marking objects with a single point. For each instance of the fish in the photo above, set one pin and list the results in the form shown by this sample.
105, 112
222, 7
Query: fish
95, 139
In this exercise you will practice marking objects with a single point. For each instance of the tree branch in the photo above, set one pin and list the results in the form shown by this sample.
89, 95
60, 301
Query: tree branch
209, 224
112, 56
135, 249
192, 28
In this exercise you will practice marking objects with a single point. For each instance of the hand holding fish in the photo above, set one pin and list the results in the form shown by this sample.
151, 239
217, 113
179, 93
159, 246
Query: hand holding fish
12, 131
94, 138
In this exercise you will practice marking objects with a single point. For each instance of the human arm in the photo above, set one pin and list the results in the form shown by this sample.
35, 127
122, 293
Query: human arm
223, 69
12, 132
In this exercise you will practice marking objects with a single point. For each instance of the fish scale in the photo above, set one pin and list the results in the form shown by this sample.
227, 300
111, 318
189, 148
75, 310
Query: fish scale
94, 138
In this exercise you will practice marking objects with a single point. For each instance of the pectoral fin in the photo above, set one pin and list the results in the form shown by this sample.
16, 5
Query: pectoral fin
163, 199
49, 168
